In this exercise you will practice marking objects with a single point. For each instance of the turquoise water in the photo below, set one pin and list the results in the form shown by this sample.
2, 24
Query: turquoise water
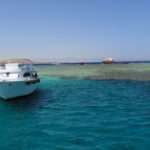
80, 114
139, 71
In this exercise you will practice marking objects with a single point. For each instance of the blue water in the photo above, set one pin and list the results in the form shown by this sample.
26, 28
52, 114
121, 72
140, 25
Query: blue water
78, 114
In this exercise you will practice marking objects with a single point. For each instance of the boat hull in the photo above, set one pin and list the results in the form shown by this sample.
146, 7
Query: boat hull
14, 89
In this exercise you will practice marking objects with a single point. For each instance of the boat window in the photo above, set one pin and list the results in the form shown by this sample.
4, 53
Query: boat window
26, 74
7, 74
34, 75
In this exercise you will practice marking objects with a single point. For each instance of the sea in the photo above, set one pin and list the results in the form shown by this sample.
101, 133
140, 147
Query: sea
81, 107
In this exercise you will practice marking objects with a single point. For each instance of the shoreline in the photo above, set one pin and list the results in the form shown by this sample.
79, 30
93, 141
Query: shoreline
82, 63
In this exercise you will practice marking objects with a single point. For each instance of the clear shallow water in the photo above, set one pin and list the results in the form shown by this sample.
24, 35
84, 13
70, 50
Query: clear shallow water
78, 114
139, 71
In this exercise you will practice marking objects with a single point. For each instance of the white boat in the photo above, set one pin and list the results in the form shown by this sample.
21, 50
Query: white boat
17, 81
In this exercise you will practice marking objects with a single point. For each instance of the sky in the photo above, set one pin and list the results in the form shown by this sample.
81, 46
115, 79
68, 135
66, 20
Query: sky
75, 29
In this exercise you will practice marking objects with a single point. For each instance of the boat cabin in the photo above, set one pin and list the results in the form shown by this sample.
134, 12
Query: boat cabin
15, 72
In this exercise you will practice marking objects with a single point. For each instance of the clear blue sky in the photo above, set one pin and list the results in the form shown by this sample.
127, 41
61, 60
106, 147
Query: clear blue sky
92, 29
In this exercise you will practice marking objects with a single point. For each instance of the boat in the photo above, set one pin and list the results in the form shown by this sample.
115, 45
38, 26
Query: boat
108, 61
81, 63
17, 79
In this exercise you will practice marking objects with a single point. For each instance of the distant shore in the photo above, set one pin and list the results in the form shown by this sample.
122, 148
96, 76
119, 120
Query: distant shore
46, 62
82, 63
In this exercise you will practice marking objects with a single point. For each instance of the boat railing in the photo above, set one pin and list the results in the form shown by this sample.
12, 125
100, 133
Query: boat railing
17, 60
16, 64
2, 67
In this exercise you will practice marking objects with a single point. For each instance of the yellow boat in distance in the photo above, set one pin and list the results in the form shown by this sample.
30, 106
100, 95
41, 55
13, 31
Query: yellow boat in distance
108, 61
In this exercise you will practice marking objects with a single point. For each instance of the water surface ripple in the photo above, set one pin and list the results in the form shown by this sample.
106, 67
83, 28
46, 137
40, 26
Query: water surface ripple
78, 114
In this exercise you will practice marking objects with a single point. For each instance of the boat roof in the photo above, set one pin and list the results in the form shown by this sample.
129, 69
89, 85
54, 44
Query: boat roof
15, 65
